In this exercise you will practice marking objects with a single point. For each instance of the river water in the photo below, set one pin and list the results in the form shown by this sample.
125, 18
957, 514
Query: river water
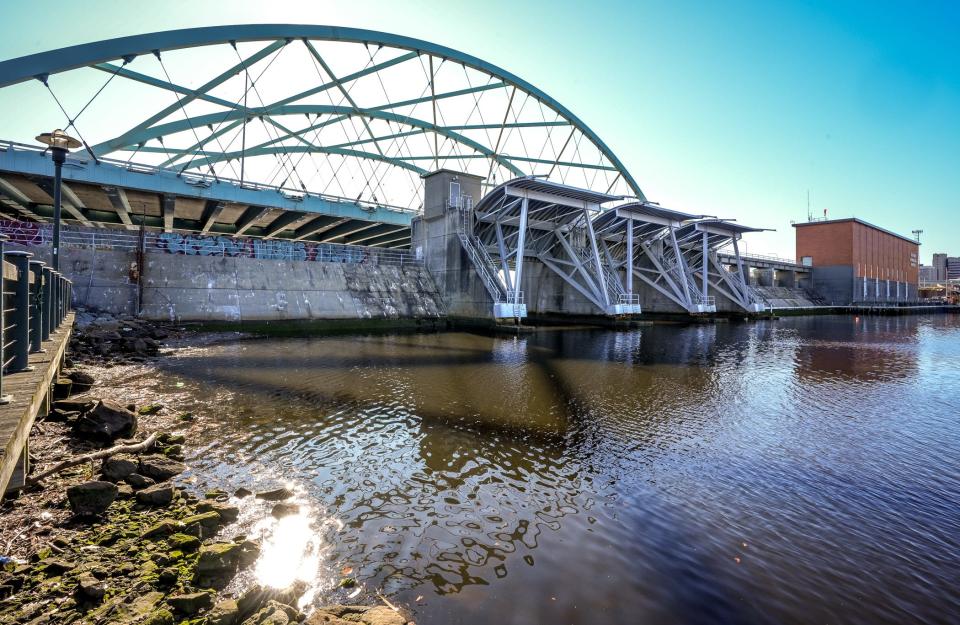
794, 471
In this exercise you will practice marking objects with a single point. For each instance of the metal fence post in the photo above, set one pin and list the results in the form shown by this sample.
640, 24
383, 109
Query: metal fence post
47, 303
4, 399
20, 321
36, 306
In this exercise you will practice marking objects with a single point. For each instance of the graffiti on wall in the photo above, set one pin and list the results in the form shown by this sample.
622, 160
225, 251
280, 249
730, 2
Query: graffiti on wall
37, 234
202, 245
25, 232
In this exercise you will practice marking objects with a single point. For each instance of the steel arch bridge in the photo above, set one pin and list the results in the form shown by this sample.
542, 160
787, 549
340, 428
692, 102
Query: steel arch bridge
352, 116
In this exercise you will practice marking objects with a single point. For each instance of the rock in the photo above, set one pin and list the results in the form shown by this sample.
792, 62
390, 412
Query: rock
159, 495
150, 409
228, 513
82, 381
117, 468
224, 613
138, 481
124, 491
351, 614
91, 498
242, 492
168, 576
107, 421
159, 617
276, 494
190, 603
77, 404
56, 567
217, 564
249, 552
168, 438
258, 596
202, 525
165, 527
273, 613
284, 509
62, 388
160, 468
184, 542
59, 416
90, 590
186, 416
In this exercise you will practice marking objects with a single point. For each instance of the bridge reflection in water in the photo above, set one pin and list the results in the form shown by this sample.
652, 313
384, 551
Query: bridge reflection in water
695, 474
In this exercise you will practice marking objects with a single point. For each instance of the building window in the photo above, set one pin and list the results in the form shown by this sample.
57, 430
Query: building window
807, 261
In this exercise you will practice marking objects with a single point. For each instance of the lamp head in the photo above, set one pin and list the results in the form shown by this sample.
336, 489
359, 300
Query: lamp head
58, 139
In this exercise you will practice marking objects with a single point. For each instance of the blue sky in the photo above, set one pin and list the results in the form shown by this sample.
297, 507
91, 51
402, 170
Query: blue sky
734, 108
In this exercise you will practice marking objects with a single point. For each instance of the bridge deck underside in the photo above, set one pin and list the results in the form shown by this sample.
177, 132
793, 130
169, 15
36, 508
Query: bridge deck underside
106, 196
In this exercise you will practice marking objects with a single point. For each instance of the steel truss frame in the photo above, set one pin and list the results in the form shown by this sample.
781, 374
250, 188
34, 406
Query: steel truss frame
285, 139
699, 243
553, 223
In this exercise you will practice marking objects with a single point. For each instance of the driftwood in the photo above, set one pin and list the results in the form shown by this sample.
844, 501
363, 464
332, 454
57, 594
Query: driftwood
135, 448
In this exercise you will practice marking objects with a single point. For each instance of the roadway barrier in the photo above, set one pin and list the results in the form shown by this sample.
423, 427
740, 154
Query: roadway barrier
35, 302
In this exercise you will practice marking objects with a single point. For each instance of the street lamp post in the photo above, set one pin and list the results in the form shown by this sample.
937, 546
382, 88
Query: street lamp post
59, 143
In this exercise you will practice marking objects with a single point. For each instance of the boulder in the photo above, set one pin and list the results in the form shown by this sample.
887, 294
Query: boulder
362, 614
274, 613
160, 468
77, 404
184, 542
164, 527
90, 590
190, 603
258, 596
202, 525
217, 564
82, 381
138, 481
159, 495
118, 468
284, 509
228, 513
240, 493
107, 421
276, 494
224, 613
91, 498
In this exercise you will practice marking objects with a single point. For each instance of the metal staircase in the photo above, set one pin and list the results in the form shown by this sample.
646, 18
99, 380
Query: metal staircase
505, 303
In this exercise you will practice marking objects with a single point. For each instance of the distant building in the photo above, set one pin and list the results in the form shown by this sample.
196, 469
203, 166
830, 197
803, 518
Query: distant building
857, 262
940, 266
928, 274
952, 271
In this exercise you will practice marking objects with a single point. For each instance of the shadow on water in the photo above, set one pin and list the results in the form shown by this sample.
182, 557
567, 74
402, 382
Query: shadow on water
591, 476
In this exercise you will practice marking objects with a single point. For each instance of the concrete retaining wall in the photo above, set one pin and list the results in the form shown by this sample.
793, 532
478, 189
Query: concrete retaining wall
178, 287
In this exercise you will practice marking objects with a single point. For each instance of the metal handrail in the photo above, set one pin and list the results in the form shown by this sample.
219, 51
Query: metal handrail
201, 179
34, 302
32, 234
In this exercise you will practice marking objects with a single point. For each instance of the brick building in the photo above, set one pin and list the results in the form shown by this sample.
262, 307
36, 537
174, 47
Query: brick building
857, 262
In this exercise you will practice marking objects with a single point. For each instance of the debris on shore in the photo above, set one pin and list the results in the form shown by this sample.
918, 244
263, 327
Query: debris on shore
104, 533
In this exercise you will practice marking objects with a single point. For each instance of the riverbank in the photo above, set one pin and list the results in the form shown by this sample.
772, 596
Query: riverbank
128, 534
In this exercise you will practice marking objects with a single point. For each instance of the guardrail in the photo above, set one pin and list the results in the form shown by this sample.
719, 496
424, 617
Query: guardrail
199, 179
35, 301
766, 257
33, 234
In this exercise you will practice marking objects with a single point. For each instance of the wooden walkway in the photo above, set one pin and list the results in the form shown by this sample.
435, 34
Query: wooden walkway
31, 393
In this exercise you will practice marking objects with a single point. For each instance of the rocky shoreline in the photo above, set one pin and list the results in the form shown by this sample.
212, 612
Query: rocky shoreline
116, 537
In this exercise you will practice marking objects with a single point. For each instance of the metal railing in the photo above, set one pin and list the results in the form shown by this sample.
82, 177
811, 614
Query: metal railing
33, 234
199, 179
35, 302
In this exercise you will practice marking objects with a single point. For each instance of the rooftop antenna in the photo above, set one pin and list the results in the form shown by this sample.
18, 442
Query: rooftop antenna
809, 214
916, 235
